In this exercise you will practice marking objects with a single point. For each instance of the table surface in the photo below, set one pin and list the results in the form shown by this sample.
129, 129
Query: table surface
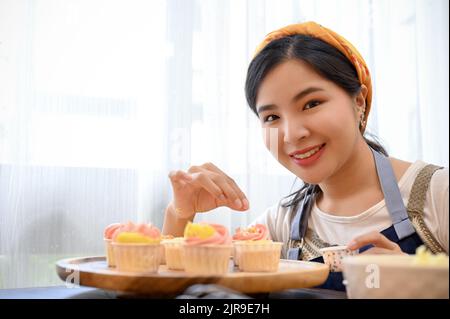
62, 292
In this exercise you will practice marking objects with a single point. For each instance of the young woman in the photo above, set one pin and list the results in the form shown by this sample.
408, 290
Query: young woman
313, 88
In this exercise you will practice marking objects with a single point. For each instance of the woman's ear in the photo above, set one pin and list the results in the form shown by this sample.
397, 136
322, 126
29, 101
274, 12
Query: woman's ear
360, 109
361, 97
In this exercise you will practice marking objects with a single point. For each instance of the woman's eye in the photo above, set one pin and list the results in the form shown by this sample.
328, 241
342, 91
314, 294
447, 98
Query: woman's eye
270, 118
311, 104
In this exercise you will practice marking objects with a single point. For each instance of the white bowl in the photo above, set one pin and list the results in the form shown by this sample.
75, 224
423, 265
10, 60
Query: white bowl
394, 276
333, 256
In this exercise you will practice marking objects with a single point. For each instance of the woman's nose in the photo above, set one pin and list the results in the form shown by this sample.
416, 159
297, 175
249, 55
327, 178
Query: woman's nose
294, 131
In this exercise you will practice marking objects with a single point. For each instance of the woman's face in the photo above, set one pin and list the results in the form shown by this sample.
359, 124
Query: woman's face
310, 124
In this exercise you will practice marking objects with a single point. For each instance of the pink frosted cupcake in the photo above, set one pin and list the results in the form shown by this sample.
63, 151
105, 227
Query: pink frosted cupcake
256, 232
207, 249
137, 247
107, 238
254, 252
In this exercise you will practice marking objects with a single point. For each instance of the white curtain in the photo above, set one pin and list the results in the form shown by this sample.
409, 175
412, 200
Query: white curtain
100, 99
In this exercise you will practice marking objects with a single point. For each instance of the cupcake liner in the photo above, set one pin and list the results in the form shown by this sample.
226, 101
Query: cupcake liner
109, 253
137, 257
174, 255
207, 259
163, 255
258, 257
235, 254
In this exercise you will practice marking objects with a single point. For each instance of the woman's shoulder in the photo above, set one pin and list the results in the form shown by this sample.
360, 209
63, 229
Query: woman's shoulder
277, 219
399, 167
433, 205
278, 213
407, 173
405, 170
280, 208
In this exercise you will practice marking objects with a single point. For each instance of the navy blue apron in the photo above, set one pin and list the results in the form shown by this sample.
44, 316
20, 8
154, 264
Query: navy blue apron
401, 232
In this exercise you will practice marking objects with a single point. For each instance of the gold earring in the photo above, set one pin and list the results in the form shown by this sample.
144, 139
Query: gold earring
362, 122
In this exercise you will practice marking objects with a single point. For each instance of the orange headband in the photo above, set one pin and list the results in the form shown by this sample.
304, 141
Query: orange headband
332, 38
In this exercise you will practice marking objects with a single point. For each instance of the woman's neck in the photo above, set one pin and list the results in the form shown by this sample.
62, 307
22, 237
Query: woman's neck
354, 188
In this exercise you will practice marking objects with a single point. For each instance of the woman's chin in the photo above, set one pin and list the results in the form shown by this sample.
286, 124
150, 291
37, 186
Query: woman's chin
312, 180
309, 179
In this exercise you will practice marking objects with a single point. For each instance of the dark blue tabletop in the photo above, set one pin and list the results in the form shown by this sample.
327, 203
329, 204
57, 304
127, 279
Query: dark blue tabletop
62, 292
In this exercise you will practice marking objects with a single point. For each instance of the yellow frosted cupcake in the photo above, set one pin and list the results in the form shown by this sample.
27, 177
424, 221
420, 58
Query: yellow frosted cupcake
174, 252
254, 252
137, 248
107, 238
207, 249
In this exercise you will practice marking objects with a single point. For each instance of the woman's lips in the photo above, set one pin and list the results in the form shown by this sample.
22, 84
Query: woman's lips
309, 160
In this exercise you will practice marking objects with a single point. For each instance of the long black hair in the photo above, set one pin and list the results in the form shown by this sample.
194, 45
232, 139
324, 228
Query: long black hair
325, 59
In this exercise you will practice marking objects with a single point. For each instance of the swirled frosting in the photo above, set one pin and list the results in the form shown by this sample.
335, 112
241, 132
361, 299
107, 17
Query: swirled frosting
137, 233
256, 232
205, 233
110, 229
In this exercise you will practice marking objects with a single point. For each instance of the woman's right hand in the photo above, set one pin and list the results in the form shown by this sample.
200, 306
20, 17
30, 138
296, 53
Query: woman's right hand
203, 188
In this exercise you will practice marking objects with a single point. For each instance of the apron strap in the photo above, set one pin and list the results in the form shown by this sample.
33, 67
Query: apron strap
299, 224
416, 204
392, 196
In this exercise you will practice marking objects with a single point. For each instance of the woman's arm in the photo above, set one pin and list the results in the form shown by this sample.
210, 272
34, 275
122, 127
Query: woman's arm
173, 224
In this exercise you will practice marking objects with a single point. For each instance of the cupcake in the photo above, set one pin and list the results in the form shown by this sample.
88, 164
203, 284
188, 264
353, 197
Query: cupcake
254, 251
137, 247
107, 238
174, 253
163, 251
256, 232
207, 249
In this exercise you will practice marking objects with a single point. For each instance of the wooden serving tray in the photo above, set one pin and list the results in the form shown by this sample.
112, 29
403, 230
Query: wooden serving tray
94, 272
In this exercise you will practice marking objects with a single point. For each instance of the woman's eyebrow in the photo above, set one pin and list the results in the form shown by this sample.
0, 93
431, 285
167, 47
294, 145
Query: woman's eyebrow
266, 108
297, 97
304, 93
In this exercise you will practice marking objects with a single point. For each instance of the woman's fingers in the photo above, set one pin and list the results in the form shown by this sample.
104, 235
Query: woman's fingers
379, 251
202, 180
215, 182
179, 177
219, 188
231, 194
241, 196
374, 238
214, 168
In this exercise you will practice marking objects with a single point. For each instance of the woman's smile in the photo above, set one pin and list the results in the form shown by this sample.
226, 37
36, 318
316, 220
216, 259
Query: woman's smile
309, 156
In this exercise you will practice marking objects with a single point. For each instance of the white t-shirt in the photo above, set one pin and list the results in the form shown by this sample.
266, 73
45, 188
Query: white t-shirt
341, 229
